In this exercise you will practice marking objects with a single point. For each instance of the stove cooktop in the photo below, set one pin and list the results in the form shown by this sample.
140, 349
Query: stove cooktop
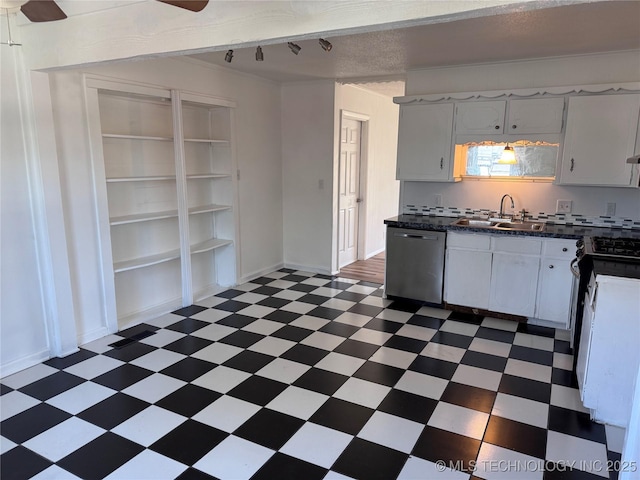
616, 247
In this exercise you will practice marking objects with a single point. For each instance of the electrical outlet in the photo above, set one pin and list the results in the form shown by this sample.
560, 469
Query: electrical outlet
563, 206
438, 198
611, 209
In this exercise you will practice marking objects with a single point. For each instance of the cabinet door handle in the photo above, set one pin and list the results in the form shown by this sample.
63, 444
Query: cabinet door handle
441, 163
572, 165
565, 249
550, 266
497, 127
513, 127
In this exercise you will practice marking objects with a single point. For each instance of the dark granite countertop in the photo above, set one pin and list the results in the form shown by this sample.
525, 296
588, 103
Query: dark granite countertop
444, 224
616, 268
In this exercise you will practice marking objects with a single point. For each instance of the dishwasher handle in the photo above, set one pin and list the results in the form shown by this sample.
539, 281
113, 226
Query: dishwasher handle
420, 237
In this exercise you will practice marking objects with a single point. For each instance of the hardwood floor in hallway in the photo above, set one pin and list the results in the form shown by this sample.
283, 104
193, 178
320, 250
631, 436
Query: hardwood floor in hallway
370, 270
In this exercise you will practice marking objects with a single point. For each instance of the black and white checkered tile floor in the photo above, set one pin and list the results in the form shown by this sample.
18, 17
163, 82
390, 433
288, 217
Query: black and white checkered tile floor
302, 376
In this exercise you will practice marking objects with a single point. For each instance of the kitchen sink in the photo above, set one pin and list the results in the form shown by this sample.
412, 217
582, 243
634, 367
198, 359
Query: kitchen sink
494, 224
523, 226
469, 222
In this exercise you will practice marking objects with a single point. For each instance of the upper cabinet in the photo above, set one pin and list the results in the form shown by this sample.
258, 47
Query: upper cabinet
536, 115
593, 129
601, 134
474, 118
424, 142
517, 116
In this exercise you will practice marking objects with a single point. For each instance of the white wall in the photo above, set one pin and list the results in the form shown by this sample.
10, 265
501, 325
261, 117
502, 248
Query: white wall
23, 322
382, 189
307, 161
257, 118
535, 197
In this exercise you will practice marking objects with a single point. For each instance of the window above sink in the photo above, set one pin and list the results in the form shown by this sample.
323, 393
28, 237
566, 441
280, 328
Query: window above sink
535, 160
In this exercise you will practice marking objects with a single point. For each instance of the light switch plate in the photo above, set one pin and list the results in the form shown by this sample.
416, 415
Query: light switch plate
563, 206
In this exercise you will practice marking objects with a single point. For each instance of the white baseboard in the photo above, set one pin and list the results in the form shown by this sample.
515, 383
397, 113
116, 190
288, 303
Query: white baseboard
208, 291
23, 363
373, 254
71, 351
259, 273
93, 335
308, 268
141, 316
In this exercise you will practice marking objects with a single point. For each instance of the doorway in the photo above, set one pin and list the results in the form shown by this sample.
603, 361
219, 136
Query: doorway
349, 189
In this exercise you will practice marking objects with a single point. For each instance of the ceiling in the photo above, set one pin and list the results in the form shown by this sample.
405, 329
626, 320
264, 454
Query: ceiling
574, 29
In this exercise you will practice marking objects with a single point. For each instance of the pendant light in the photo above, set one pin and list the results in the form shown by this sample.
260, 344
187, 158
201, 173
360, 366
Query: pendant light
508, 156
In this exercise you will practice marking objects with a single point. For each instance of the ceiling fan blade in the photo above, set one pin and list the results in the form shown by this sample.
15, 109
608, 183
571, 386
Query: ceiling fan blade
42, 11
193, 5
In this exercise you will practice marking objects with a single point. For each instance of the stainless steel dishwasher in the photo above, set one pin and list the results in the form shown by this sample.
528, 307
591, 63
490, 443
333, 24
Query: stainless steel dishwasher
415, 264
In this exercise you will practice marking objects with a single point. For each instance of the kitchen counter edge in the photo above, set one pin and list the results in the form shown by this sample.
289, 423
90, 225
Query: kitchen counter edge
445, 224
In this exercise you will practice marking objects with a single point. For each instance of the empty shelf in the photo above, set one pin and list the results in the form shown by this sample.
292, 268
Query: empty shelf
208, 175
209, 245
205, 140
136, 137
207, 208
140, 179
142, 217
146, 261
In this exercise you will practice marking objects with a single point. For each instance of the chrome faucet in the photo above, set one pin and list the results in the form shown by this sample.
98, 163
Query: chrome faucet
501, 214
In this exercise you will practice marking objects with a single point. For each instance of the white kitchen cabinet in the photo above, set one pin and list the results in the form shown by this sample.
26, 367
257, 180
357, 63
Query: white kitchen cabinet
555, 282
601, 134
523, 116
165, 197
424, 142
513, 283
480, 117
608, 356
492, 272
514, 274
467, 277
535, 115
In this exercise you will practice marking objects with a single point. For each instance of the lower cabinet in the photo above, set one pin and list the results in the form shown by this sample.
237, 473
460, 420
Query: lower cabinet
467, 278
518, 275
491, 272
555, 282
513, 283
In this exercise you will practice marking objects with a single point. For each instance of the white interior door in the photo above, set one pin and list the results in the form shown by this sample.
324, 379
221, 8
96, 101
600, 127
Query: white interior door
349, 191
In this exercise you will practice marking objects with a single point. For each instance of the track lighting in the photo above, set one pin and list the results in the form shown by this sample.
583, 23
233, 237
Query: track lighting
259, 54
229, 56
325, 44
294, 48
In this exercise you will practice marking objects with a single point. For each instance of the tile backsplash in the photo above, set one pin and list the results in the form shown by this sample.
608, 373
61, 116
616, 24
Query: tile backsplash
553, 218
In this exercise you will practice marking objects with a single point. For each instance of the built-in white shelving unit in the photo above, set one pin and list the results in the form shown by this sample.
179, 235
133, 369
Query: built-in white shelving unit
166, 194
209, 191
